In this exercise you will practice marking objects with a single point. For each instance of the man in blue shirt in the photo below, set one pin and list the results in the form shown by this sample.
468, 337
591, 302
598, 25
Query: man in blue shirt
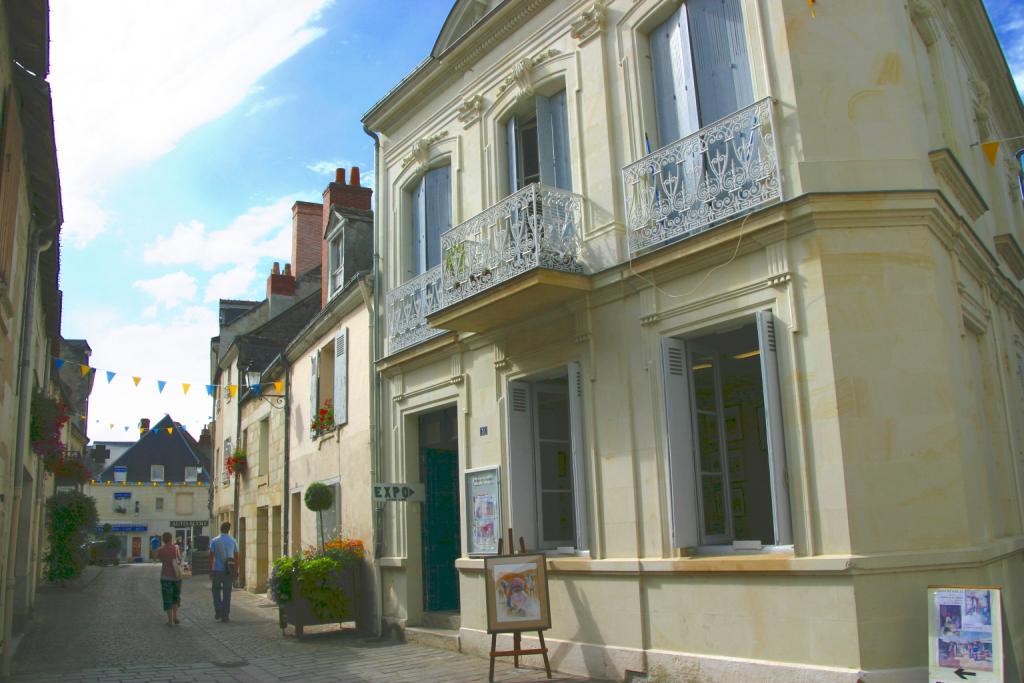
223, 565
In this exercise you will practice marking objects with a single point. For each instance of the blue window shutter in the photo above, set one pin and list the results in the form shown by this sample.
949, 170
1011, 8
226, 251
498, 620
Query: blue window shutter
545, 141
314, 380
674, 92
559, 112
417, 259
675, 377
438, 213
773, 427
341, 377
720, 61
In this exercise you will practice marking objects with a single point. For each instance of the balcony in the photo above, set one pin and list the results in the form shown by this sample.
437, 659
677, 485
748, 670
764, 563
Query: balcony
524, 250
407, 308
521, 253
722, 171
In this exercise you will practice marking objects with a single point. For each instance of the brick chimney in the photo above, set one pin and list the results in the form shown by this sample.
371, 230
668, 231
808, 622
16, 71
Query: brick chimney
143, 426
280, 288
307, 236
339, 196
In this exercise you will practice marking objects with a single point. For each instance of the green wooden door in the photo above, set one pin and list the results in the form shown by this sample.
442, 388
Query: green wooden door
440, 529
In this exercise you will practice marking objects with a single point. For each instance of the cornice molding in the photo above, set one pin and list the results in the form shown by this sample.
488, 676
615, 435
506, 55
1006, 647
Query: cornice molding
1010, 253
469, 110
589, 23
949, 171
522, 72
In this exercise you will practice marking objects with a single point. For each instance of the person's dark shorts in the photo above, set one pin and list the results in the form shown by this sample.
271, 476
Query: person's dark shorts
170, 590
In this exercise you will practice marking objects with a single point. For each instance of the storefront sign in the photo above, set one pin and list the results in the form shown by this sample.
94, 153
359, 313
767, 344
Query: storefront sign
483, 514
122, 495
965, 634
186, 523
398, 493
122, 528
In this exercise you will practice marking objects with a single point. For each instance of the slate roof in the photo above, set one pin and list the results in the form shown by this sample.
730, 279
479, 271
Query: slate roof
175, 451
261, 345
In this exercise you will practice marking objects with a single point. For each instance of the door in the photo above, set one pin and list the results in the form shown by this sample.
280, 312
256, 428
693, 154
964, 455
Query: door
440, 535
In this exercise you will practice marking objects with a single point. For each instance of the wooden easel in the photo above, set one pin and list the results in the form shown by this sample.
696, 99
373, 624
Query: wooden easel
517, 636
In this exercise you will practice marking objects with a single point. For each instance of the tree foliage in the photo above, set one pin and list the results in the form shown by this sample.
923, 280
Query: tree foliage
70, 516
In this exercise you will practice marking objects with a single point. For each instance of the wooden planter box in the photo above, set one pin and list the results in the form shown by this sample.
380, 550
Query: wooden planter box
299, 612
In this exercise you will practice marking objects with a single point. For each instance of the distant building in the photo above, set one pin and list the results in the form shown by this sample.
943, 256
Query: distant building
160, 483
74, 390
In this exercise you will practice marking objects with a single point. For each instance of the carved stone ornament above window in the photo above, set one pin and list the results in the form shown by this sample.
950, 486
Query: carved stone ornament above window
589, 23
522, 72
421, 149
469, 111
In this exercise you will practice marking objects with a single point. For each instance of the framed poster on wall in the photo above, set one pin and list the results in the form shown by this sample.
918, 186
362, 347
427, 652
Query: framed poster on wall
483, 510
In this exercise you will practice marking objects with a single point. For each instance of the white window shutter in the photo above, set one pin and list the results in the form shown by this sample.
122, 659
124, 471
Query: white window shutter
579, 469
341, 377
511, 139
522, 478
418, 257
681, 457
674, 90
314, 382
438, 213
720, 62
774, 429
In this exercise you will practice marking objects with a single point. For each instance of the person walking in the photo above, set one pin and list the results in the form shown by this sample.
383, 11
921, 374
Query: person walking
223, 563
170, 579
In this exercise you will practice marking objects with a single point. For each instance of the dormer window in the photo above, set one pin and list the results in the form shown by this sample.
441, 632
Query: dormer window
156, 472
336, 261
191, 475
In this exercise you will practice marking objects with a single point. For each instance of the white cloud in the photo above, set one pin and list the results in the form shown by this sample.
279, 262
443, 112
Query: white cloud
267, 105
131, 78
173, 349
169, 290
262, 231
328, 167
231, 284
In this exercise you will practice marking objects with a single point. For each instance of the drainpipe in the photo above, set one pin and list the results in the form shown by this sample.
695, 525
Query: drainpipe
40, 242
238, 444
286, 483
376, 459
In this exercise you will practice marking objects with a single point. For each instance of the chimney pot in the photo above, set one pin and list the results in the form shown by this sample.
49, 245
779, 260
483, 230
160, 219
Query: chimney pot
355, 176
275, 269
339, 176
288, 269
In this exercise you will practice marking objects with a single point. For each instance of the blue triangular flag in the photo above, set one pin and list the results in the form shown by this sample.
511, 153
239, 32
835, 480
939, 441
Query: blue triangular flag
160, 385
255, 388
110, 376
59, 362
209, 389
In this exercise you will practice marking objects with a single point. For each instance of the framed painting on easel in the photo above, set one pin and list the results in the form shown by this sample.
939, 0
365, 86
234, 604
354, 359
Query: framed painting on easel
517, 593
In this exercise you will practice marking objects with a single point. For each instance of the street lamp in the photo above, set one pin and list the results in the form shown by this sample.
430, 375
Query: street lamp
252, 380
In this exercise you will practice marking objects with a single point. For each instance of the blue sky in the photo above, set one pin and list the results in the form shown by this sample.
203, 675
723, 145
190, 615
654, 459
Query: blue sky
185, 132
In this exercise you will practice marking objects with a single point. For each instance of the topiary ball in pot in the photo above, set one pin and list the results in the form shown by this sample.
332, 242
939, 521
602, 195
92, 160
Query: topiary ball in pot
319, 497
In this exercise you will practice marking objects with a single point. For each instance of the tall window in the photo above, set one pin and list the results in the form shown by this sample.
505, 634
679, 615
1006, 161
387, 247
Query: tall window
538, 145
336, 262
727, 474
701, 67
329, 381
159, 503
264, 454
431, 216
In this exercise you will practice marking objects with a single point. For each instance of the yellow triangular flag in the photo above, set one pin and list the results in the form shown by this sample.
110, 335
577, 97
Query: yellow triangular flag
991, 149
136, 380
279, 386
170, 429
84, 369
232, 390
184, 387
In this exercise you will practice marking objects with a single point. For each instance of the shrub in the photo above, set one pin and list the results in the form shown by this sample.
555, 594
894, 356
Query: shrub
317, 572
319, 497
70, 516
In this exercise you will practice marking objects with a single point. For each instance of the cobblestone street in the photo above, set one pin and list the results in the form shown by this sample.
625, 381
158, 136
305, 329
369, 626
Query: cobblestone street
109, 627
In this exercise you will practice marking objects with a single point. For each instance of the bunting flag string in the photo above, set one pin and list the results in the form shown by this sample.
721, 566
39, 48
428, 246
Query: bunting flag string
991, 147
161, 384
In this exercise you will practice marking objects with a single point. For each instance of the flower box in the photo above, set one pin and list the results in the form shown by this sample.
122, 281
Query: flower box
321, 586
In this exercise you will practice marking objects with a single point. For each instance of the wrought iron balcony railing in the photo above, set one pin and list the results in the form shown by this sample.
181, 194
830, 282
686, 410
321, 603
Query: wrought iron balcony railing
407, 308
726, 169
537, 227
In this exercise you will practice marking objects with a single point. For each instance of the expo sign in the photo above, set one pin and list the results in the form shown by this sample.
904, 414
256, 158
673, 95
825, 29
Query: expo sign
398, 493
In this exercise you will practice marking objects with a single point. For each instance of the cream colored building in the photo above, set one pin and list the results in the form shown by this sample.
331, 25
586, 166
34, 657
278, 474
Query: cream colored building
730, 294
30, 220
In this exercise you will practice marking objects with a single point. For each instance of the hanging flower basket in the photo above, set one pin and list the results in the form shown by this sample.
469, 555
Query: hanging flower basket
47, 420
237, 462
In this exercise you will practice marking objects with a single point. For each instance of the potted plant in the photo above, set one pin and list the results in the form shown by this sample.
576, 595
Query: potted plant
323, 421
237, 462
319, 586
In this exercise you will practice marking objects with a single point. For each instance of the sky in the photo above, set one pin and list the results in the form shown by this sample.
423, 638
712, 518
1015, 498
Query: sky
185, 132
